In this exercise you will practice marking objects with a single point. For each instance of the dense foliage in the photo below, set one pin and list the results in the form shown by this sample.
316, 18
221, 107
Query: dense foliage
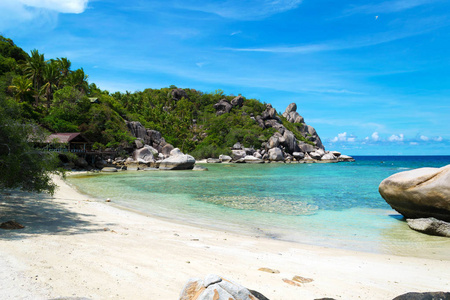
49, 93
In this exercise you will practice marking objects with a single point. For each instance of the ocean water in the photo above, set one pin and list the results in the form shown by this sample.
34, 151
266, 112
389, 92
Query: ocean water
331, 205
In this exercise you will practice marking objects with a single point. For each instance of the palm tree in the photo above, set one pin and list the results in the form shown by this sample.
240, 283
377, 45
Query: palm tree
51, 75
21, 87
34, 67
78, 79
64, 68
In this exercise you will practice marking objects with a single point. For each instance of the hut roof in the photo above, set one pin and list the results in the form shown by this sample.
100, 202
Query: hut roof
65, 137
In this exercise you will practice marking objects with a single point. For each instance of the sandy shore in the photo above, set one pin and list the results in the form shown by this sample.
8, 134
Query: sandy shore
78, 248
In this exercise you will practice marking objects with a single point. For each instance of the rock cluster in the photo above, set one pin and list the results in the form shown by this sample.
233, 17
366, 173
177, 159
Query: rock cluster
217, 288
283, 145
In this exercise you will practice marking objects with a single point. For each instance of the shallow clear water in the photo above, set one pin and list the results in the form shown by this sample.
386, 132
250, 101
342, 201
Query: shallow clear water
333, 205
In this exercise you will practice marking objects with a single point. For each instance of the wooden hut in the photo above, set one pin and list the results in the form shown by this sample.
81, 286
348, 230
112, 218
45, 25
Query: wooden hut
67, 142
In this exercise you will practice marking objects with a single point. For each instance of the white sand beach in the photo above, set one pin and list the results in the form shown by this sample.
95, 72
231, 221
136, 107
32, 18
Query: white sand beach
74, 247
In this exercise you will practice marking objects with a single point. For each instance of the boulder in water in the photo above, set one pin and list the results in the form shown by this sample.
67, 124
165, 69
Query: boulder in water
419, 193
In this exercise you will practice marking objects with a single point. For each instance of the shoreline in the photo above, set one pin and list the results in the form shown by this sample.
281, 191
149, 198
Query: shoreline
73, 247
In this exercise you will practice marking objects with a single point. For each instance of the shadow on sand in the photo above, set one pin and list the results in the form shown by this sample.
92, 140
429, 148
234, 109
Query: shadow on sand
41, 215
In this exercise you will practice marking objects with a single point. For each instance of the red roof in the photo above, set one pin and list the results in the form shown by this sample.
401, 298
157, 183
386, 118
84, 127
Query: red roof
62, 137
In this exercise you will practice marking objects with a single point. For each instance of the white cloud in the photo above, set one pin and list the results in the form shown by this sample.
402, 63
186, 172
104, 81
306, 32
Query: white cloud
424, 138
375, 136
62, 6
396, 138
438, 139
342, 137
236, 32
16, 12
389, 6
238, 9
414, 143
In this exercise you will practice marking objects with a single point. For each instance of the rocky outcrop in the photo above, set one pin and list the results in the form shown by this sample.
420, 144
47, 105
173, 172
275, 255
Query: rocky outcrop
178, 94
292, 115
144, 154
217, 288
177, 161
419, 193
223, 107
146, 136
431, 226
275, 154
238, 101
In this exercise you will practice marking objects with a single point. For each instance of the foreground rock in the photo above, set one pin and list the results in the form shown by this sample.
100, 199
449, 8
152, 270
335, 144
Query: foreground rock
424, 296
177, 161
419, 193
217, 288
11, 225
430, 226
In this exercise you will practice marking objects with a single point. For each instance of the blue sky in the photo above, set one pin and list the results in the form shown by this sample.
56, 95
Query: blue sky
373, 77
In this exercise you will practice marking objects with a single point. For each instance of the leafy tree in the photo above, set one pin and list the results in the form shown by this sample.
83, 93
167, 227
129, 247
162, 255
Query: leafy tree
50, 76
21, 87
22, 166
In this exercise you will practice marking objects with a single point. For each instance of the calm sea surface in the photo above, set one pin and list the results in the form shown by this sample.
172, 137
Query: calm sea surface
332, 205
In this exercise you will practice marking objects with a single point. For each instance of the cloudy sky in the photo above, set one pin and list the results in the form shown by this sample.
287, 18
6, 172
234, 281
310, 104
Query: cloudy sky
371, 76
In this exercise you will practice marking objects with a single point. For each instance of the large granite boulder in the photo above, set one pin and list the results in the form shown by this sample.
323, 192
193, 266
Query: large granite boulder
214, 287
143, 155
237, 101
178, 94
345, 158
419, 193
222, 107
431, 226
238, 154
269, 113
290, 142
250, 159
225, 158
275, 154
306, 148
292, 115
177, 161
329, 157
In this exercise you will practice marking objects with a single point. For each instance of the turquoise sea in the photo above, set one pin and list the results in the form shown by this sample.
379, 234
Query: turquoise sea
332, 205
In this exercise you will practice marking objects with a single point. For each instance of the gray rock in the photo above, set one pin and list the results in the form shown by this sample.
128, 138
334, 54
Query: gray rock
109, 169
257, 155
294, 117
291, 108
213, 161
252, 159
143, 155
249, 151
315, 155
430, 226
237, 146
217, 288
424, 296
275, 140
139, 143
199, 168
275, 124
419, 193
269, 113
177, 161
298, 155
237, 101
290, 142
178, 94
305, 148
329, 156
166, 150
237, 154
345, 158
225, 158
336, 153
275, 154
222, 107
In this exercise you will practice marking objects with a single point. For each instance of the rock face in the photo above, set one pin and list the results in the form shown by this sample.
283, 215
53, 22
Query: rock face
430, 226
222, 107
419, 193
177, 161
177, 94
237, 101
275, 154
217, 288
